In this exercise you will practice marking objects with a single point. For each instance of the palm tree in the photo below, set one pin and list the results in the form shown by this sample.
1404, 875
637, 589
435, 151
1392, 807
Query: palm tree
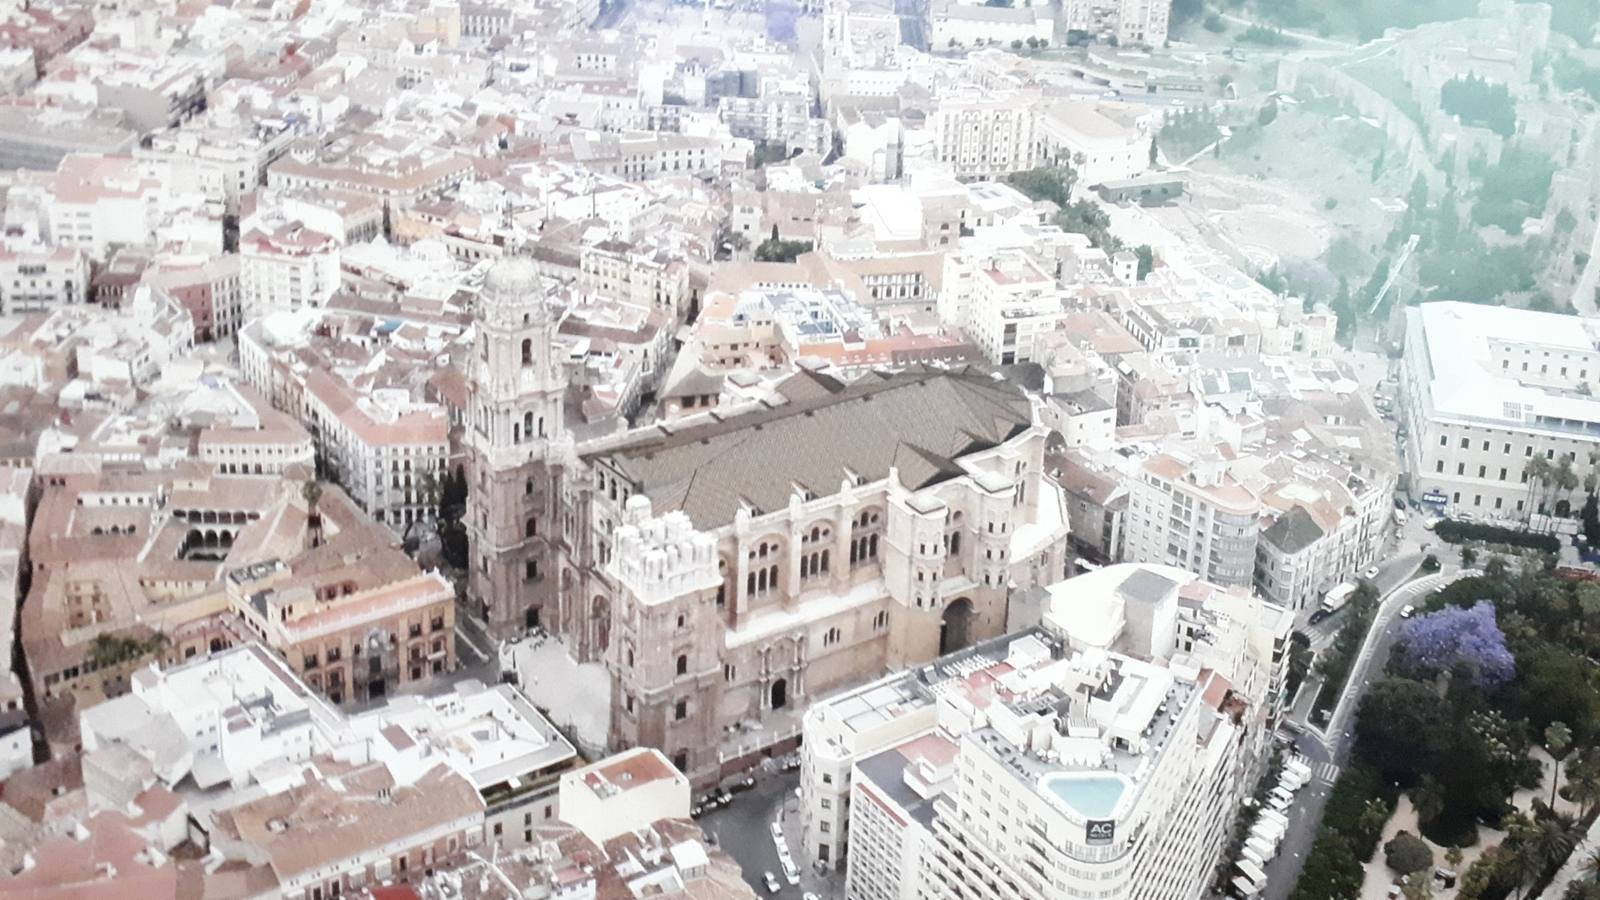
1583, 781
1565, 479
1591, 865
1534, 472
1558, 740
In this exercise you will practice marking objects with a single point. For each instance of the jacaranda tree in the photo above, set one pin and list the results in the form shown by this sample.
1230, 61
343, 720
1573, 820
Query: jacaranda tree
1458, 640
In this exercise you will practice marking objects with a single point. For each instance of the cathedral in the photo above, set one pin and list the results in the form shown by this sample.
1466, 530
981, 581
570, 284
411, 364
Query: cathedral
728, 568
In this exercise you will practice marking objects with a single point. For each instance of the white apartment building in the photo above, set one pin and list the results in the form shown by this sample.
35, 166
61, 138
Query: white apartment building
1103, 141
39, 279
1003, 301
381, 447
287, 266
96, 202
981, 134
1486, 389
1142, 22
222, 163
1192, 513
1102, 755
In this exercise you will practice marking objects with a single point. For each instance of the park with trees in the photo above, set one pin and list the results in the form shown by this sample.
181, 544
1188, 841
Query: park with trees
1483, 730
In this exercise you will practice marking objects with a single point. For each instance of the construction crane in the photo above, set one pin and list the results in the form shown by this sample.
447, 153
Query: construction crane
1394, 272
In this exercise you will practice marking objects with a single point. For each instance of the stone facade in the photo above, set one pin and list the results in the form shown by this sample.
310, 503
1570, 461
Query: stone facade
514, 431
727, 569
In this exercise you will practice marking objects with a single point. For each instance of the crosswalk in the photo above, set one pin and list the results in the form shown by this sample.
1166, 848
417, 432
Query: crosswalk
1327, 772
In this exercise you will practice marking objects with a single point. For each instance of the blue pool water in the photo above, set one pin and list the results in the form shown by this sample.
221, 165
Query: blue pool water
1092, 796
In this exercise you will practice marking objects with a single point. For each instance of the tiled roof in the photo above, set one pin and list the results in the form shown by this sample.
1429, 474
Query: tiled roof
918, 422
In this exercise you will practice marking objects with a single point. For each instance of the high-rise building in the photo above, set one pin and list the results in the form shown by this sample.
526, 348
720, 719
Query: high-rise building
1103, 754
514, 428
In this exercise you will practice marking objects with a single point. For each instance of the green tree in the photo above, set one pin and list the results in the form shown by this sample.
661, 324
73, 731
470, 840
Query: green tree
1468, 557
1153, 150
1406, 853
1147, 259
1398, 718
1053, 183
1332, 869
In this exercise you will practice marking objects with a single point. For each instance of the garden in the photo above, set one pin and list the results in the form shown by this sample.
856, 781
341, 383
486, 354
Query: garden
1481, 738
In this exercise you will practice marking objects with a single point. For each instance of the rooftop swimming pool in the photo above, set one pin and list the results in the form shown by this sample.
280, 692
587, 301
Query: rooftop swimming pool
1091, 795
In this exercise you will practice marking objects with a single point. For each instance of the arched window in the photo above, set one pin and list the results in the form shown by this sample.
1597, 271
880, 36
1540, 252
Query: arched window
527, 351
683, 664
531, 527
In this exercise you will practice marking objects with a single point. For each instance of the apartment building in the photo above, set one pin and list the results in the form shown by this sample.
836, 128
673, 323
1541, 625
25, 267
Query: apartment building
1003, 301
983, 135
387, 451
651, 278
1194, 514
285, 266
1130, 22
1101, 754
208, 287
224, 163
40, 278
1486, 390
94, 202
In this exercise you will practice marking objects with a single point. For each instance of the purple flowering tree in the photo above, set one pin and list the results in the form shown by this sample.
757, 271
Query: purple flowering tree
1455, 638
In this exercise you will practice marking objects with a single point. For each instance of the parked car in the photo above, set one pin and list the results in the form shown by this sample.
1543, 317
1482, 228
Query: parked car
1407, 611
772, 883
1371, 572
1318, 616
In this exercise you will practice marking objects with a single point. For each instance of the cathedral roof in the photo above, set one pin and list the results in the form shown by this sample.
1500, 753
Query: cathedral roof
918, 422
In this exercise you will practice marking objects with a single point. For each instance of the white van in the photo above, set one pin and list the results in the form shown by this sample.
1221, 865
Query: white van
1275, 817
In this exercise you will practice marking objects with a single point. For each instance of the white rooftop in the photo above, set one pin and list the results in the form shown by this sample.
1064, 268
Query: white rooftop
1464, 382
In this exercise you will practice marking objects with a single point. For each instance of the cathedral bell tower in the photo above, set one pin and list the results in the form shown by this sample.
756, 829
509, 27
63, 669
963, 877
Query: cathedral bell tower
514, 434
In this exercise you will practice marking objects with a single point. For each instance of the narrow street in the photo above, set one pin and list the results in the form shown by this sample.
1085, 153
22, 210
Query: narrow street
743, 830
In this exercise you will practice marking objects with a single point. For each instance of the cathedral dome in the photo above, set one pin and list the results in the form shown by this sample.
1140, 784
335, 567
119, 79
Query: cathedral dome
513, 293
